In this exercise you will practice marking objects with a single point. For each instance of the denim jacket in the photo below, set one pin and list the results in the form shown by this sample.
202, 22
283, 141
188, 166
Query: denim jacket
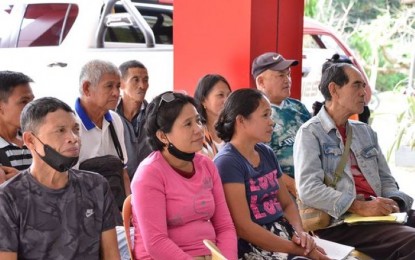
318, 148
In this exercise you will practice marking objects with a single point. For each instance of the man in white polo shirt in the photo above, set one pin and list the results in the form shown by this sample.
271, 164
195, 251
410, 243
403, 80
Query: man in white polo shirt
99, 86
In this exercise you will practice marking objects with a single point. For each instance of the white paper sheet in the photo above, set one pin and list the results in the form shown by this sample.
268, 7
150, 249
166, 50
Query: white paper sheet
334, 250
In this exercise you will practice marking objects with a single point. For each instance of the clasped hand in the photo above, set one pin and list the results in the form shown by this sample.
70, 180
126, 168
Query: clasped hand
307, 242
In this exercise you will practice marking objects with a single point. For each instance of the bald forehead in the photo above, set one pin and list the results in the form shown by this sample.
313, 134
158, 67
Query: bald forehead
353, 73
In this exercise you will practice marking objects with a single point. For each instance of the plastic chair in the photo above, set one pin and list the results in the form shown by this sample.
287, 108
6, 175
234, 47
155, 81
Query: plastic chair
126, 217
214, 250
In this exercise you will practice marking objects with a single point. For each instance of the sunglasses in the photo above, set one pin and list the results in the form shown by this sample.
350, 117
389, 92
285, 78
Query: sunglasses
166, 97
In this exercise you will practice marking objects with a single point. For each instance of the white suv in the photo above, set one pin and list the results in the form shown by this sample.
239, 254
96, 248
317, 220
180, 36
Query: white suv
50, 40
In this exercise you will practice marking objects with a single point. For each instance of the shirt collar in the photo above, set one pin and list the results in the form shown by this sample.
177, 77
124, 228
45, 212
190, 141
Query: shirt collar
120, 109
86, 121
326, 120
3, 143
280, 106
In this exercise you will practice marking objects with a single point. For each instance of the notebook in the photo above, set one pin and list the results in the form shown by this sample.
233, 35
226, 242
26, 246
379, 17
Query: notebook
400, 217
334, 250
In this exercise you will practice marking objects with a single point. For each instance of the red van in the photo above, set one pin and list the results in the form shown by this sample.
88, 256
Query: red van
319, 44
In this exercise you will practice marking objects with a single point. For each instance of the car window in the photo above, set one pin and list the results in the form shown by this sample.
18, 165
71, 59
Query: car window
310, 41
159, 20
317, 48
332, 44
46, 24
321, 41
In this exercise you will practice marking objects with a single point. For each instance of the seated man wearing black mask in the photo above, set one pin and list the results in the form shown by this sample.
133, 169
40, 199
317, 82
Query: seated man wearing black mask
52, 211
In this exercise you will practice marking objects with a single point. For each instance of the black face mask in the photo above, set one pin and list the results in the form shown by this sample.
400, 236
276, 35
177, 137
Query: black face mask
180, 154
56, 160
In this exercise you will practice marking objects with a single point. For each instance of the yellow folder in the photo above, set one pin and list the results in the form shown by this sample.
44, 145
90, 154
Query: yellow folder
392, 218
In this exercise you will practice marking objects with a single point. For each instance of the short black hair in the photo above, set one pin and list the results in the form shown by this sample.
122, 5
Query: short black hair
9, 80
240, 102
161, 115
35, 112
130, 64
203, 88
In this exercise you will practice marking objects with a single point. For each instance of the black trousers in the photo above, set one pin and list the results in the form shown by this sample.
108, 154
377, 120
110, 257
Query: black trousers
379, 241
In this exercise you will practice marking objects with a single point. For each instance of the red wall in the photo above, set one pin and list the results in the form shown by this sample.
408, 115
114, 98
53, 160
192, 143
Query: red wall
224, 37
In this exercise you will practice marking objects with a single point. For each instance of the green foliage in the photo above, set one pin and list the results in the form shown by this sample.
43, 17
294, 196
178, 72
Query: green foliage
367, 10
406, 128
361, 44
381, 32
310, 8
387, 82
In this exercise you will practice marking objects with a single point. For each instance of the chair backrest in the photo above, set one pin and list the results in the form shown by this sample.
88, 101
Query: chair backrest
126, 217
214, 250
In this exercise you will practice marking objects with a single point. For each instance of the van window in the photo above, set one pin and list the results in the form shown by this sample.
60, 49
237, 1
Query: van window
46, 24
160, 21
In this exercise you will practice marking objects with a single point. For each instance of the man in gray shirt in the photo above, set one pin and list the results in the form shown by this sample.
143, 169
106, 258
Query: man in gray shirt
131, 108
52, 211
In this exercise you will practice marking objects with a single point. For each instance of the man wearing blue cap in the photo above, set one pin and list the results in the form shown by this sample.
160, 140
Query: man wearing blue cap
272, 75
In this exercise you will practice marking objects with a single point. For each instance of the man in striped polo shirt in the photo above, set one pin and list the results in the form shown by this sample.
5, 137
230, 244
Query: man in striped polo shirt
15, 93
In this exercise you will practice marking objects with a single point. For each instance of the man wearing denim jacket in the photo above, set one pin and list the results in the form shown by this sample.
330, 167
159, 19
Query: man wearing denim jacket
366, 186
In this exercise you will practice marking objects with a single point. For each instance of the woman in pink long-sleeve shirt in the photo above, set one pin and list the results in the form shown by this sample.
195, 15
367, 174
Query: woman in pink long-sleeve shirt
178, 198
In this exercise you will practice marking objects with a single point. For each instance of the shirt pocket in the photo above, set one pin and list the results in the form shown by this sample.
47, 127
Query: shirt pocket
331, 155
369, 162
370, 152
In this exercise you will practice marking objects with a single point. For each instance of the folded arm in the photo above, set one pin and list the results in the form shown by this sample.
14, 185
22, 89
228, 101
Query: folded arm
249, 230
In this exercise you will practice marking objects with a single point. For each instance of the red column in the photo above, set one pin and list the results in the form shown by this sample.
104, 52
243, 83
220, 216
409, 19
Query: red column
290, 38
217, 36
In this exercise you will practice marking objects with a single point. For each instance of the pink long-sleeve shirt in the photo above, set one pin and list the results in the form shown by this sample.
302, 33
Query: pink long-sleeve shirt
172, 214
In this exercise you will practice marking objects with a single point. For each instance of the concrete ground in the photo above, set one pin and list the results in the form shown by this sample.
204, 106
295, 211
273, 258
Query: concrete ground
384, 123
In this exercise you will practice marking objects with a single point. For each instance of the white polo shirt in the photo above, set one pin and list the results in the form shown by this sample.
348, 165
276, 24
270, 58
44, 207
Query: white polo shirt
95, 141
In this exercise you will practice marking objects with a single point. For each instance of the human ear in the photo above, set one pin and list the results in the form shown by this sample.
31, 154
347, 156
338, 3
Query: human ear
203, 103
162, 137
332, 89
239, 120
260, 82
28, 140
86, 87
